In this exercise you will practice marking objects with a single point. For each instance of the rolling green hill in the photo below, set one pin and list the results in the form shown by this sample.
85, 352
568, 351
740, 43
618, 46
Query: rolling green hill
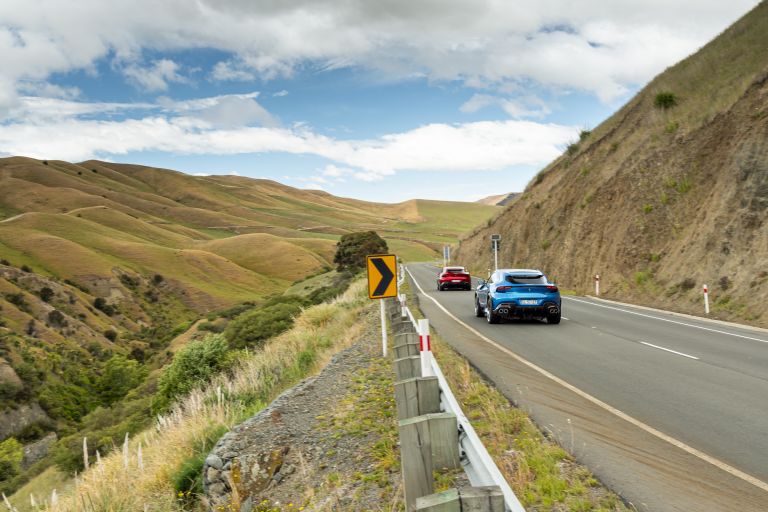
103, 265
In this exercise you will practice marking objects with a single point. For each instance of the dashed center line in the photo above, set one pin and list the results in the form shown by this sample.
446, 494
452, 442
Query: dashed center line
670, 350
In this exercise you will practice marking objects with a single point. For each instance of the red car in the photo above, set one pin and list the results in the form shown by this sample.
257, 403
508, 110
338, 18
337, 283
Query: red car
454, 277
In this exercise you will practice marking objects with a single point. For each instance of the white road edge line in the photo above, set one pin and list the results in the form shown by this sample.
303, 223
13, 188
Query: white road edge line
626, 417
669, 350
668, 320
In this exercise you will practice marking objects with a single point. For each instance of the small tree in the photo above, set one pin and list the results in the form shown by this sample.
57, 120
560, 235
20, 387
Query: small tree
46, 294
354, 247
665, 100
194, 365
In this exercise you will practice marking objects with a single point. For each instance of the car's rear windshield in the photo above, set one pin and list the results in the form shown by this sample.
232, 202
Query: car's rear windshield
526, 278
455, 270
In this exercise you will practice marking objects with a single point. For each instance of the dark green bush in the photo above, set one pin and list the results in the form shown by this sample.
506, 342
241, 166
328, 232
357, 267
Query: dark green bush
18, 300
188, 479
665, 100
194, 365
111, 335
253, 328
56, 318
66, 401
354, 247
102, 305
45, 293
120, 375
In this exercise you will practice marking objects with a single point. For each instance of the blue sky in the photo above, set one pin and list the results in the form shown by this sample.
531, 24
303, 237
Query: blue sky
383, 101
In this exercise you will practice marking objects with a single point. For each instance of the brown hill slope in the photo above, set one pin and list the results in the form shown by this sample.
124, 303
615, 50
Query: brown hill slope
660, 201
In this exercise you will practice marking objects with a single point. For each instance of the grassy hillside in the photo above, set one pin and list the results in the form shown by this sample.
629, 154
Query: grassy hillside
669, 193
103, 266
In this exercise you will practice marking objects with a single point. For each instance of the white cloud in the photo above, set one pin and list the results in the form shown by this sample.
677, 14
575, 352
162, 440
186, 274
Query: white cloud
485, 43
434, 147
280, 94
156, 77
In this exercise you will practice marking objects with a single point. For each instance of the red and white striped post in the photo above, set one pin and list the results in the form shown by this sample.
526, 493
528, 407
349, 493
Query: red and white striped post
425, 349
597, 285
706, 300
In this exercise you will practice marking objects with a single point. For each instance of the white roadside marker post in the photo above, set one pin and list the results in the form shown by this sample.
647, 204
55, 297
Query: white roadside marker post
403, 313
706, 300
383, 329
425, 349
597, 285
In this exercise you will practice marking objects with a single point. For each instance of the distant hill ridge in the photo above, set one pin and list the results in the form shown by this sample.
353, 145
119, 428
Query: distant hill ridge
669, 193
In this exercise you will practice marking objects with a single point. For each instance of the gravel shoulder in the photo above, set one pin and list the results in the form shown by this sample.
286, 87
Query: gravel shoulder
329, 443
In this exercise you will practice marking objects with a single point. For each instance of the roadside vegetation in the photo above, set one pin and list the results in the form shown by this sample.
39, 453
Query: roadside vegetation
162, 463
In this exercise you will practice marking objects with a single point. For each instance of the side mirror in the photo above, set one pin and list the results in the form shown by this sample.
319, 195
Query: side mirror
480, 282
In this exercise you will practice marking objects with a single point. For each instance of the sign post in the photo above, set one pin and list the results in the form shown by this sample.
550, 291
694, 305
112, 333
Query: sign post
706, 300
597, 285
382, 284
495, 241
425, 349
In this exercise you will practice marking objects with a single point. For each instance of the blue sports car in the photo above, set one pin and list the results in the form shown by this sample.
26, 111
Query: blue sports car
517, 293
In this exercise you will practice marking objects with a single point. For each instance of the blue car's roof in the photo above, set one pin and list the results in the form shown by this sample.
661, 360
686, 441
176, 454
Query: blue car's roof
520, 271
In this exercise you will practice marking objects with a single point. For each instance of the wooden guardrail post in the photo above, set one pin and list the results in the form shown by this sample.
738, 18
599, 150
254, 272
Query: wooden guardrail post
408, 367
417, 396
466, 499
406, 344
427, 442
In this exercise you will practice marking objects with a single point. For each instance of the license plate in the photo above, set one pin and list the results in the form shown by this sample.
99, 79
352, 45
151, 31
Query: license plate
528, 302
456, 281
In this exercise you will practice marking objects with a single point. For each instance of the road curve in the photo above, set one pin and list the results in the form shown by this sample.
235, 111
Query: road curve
668, 411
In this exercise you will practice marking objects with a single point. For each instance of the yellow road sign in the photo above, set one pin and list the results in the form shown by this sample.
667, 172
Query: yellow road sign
382, 276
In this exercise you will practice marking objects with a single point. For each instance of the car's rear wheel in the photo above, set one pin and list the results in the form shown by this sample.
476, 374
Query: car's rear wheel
439, 287
478, 309
490, 316
553, 319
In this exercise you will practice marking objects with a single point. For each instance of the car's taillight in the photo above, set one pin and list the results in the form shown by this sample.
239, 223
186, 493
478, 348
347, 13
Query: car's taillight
552, 288
503, 289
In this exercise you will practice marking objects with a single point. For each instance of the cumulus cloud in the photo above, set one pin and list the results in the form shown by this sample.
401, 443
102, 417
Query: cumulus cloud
482, 42
177, 128
156, 77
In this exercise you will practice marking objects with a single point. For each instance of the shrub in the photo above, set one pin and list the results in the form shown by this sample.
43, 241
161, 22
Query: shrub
583, 134
18, 300
647, 208
101, 304
354, 247
11, 455
26, 268
211, 327
672, 127
252, 329
45, 293
665, 100
57, 319
194, 365
572, 148
66, 401
642, 277
129, 281
111, 335
157, 279
119, 377
5, 262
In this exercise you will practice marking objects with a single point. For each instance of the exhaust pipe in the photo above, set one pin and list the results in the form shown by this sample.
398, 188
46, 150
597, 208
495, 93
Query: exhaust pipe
503, 311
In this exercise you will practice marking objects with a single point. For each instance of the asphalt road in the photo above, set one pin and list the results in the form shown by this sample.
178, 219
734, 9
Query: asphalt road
669, 411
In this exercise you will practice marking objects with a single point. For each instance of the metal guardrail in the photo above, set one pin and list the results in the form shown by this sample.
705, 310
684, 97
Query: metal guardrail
480, 468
